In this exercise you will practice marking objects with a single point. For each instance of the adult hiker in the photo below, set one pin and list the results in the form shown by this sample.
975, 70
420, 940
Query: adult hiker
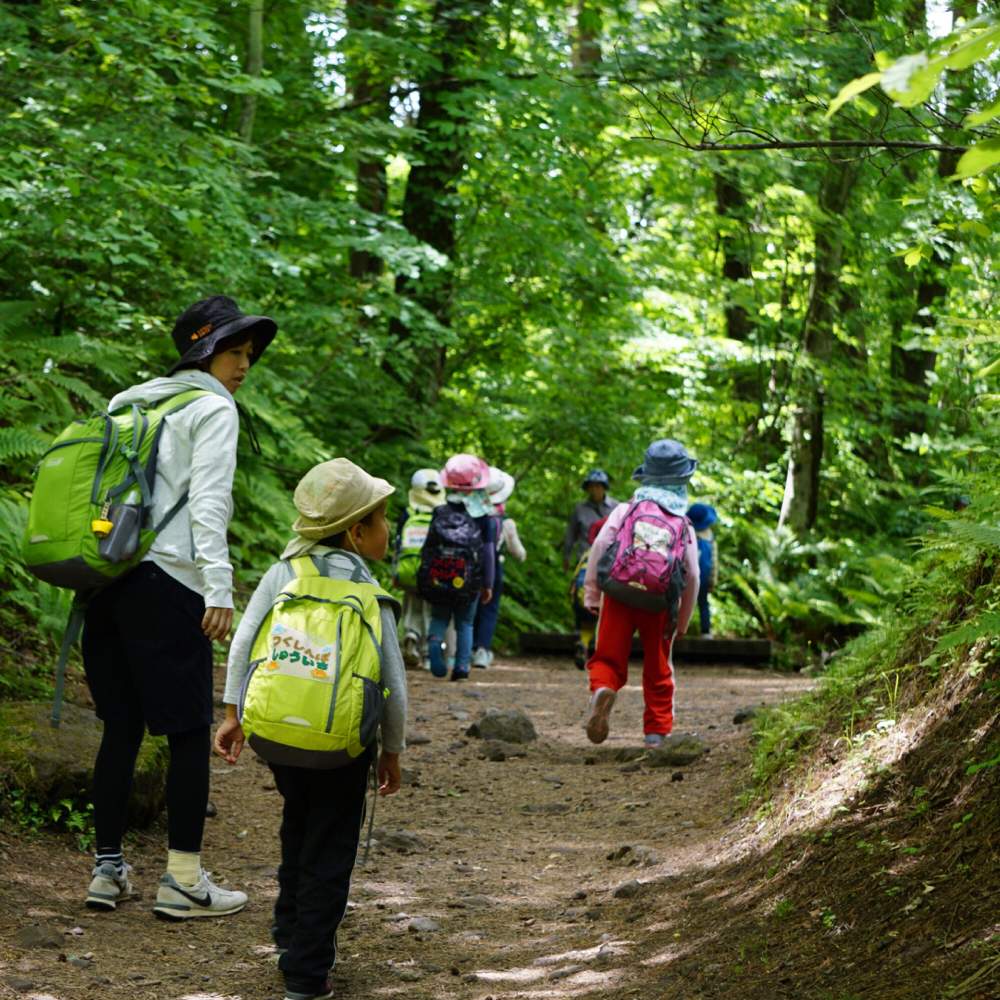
147, 638
597, 506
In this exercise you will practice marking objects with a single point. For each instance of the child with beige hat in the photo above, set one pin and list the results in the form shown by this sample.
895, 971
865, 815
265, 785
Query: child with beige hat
341, 525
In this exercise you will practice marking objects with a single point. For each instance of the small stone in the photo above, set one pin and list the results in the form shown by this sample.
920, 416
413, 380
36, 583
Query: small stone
508, 724
565, 972
645, 857
628, 890
620, 852
678, 749
210, 810
409, 975
417, 739
410, 776
631, 768
79, 961
499, 750
745, 714
423, 925
677, 776
35, 936
589, 761
545, 808
579, 894
461, 716
470, 693
398, 840
18, 984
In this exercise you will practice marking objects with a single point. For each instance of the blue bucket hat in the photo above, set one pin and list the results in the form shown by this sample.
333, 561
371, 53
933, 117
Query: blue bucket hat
702, 516
667, 463
598, 476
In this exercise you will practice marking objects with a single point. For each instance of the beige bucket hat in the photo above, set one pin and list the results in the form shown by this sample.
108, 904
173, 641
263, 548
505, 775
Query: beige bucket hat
334, 495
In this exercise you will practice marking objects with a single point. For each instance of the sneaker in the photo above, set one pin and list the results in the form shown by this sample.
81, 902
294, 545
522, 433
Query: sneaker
460, 673
601, 703
435, 657
580, 655
325, 993
203, 899
653, 740
107, 887
411, 650
481, 657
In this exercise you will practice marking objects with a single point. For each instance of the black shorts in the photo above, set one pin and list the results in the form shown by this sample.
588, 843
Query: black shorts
145, 654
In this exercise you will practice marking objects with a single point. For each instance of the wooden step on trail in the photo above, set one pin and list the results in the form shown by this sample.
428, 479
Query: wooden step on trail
750, 652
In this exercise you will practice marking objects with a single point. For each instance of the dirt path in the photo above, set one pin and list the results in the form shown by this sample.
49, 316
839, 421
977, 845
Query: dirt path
512, 864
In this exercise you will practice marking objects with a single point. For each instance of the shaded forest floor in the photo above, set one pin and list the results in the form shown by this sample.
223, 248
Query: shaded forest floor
562, 873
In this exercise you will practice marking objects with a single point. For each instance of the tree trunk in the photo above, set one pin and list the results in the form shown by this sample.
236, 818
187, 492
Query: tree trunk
429, 209
801, 502
255, 63
911, 366
587, 42
369, 84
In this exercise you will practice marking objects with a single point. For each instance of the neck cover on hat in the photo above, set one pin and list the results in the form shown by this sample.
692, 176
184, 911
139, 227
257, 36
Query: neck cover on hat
672, 499
477, 503
422, 501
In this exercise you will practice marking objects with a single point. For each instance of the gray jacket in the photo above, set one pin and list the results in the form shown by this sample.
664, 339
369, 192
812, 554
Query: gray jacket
583, 516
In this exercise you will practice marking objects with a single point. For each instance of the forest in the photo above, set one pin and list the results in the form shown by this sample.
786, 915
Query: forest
548, 232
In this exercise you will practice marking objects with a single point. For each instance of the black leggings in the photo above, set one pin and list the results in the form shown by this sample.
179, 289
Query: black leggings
187, 784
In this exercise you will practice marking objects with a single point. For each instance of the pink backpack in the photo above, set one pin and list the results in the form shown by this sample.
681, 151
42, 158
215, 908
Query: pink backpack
644, 566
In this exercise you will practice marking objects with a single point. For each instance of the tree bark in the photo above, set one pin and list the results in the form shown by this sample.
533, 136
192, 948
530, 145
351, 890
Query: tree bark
255, 63
370, 85
801, 502
587, 54
911, 366
429, 207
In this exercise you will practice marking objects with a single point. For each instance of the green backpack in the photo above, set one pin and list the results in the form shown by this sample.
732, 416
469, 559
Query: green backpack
88, 520
412, 536
313, 696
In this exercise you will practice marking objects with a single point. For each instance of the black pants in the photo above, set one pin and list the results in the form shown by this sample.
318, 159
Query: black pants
320, 829
148, 664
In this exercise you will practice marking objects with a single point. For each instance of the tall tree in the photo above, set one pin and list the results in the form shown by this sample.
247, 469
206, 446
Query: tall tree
431, 205
800, 504
255, 63
370, 81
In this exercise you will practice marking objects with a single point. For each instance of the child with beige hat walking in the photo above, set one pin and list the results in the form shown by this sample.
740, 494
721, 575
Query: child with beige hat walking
341, 525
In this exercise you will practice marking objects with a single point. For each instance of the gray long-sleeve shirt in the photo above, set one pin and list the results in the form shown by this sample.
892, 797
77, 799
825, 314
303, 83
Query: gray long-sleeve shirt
584, 515
339, 565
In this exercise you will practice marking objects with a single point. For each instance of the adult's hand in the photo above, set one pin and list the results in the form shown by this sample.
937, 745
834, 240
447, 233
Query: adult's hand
389, 775
229, 738
217, 622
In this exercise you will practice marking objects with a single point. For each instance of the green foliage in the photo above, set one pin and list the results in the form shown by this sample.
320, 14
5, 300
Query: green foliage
68, 815
581, 309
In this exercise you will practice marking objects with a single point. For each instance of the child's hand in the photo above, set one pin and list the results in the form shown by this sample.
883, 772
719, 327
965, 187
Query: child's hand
228, 743
594, 609
486, 595
389, 776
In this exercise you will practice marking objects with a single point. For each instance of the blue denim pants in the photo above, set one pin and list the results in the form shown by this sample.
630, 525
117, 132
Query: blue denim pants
487, 615
440, 617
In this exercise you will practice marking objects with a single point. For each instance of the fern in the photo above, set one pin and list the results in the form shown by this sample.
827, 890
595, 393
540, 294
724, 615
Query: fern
18, 443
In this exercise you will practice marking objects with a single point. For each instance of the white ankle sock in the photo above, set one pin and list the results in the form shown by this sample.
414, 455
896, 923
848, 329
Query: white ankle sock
185, 866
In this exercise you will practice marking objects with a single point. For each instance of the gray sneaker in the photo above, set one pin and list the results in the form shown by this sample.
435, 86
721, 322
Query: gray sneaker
601, 703
107, 887
325, 993
203, 899
481, 658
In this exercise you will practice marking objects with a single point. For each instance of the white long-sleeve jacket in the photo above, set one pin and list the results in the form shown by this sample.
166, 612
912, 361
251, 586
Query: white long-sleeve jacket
197, 453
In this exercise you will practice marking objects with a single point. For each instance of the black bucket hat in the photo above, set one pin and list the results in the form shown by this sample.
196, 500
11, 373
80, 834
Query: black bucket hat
202, 327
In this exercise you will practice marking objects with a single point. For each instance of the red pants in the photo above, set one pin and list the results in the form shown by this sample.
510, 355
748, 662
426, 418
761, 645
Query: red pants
608, 666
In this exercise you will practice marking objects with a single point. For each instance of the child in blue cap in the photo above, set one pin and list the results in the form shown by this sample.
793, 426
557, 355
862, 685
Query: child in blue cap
702, 516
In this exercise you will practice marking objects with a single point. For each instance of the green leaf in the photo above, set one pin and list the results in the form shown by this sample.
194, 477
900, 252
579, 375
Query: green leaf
987, 624
984, 115
980, 157
852, 89
990, 369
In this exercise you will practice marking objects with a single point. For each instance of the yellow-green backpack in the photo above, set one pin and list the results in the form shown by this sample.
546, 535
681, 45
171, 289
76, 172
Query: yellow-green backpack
313, 696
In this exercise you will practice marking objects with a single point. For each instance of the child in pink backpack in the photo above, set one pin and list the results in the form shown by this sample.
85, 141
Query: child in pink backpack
662, 494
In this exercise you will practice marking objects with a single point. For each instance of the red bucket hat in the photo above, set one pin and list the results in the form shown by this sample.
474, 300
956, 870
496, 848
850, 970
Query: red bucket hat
465, 473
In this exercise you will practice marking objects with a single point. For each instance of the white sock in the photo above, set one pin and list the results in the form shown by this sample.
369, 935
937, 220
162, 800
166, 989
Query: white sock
185, 866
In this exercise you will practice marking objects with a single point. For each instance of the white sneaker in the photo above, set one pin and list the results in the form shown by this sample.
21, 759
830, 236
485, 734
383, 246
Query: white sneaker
481, 657
411, 650
601, 703
203, 899
108, 888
